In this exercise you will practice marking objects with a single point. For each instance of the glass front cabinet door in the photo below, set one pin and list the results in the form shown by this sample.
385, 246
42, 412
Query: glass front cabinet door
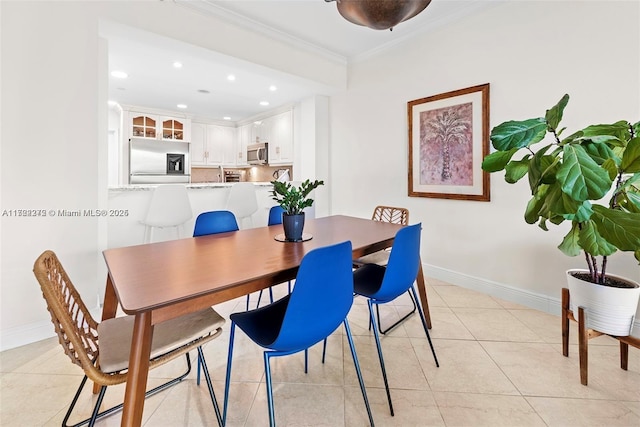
143, 125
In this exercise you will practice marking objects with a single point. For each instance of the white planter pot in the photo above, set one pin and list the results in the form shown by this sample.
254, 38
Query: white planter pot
609, 310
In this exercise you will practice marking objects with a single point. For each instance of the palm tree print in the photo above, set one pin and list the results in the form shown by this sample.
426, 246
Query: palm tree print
443, 128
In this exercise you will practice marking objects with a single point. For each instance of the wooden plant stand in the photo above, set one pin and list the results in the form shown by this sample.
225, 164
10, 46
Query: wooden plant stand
584, 335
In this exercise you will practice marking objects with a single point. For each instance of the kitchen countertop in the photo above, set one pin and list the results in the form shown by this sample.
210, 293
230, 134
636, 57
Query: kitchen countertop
192, 186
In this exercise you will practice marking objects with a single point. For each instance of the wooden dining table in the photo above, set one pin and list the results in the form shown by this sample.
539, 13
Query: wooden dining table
159, 281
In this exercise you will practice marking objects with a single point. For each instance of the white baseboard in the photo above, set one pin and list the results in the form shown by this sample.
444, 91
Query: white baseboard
32, 332
523, 297
25, 334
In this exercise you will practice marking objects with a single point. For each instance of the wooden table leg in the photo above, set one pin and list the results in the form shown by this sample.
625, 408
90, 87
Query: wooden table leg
110, 303
583, 345
565, 322
138, 370
624, 355
422, 291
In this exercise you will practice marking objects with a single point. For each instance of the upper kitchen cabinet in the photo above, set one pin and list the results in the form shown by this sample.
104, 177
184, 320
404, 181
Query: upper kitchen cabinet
244, 138
213, 145
176, 129
281, 138
144, 125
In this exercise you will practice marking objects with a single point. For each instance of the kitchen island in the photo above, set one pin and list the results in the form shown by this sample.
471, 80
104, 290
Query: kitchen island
130, 202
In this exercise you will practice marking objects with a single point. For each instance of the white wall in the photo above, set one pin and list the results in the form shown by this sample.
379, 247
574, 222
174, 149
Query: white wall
55, 126
531, 53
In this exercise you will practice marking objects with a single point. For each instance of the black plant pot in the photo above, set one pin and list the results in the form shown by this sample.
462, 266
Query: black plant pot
293, 226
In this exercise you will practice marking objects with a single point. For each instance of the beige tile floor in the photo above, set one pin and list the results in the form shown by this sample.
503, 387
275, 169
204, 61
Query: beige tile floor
501, 364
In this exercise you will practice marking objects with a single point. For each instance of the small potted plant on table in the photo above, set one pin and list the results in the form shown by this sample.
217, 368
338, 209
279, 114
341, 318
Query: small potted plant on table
566, 177
293, 201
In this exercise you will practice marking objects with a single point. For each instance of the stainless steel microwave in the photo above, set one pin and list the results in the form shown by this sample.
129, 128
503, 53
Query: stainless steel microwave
258, 154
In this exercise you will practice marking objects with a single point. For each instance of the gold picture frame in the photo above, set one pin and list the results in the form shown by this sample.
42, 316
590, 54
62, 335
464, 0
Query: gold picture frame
448, 139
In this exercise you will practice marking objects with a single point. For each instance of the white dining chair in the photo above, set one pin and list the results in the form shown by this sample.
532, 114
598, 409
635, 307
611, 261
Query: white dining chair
243, 202
169, 207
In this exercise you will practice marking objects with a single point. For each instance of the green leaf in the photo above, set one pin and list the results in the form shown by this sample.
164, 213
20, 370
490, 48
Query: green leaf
621, 229
516, 170
570, 245
518, 134
611, 167
560, 203
554, 114
580, 176
532, 212
629, 201
598, 152
497, 160
583, 213
631, 157
592, 242
542, 169
619, 130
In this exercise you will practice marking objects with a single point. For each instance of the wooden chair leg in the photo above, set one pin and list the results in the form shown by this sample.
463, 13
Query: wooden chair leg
624, 355
583, 345
565, 322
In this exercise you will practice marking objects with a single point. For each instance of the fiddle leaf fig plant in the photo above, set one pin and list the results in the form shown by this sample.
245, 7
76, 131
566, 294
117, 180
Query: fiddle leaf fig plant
590, 178
294, 199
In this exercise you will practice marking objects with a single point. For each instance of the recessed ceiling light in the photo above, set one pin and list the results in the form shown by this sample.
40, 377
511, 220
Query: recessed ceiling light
264, 103
177, 64
273, 88
119, 74
227, 118
231, 77
181, 105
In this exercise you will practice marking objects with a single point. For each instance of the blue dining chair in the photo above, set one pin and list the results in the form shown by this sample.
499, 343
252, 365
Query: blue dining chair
275, 215
316, 307
381, 285
214, 222
275, 218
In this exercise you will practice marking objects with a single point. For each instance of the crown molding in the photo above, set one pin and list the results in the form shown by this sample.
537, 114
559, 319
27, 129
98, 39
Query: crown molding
208, 8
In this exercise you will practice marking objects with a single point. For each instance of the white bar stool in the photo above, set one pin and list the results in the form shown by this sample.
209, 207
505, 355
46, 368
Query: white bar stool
243, 202
169, 207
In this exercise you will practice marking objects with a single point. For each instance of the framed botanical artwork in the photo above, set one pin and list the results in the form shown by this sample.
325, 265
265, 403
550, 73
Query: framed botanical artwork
448, 138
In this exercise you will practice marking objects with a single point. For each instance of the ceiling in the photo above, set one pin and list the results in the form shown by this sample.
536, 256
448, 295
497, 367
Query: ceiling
153, 82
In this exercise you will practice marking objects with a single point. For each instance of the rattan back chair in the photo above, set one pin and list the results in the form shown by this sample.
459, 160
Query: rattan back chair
394, 215
391, 214
102, 349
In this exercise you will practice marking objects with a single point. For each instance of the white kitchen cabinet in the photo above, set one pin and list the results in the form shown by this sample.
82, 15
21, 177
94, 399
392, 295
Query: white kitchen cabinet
281, 139
222, 146
243, 134
260, 131
198, 144
151, 126
173, 129
212, 145
142, 125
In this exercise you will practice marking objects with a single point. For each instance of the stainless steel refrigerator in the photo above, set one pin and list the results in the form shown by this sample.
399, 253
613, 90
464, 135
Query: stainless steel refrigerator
158, 162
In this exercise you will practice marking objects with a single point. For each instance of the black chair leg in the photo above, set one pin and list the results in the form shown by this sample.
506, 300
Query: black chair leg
207, 377
384, 331
98, 415
426, 329
379, 346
